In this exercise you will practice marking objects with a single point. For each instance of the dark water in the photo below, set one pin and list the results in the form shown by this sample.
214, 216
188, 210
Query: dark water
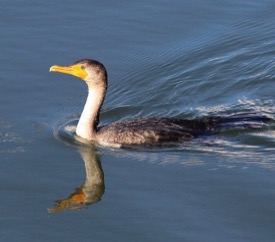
165, 58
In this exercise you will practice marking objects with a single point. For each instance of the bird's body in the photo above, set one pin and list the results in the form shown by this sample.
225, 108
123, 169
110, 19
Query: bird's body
152, 131
141, 131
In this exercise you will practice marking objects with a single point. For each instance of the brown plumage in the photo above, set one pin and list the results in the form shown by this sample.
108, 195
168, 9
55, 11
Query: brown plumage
141, 131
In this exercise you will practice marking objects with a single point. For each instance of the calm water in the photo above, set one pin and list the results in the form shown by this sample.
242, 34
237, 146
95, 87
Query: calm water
165, 58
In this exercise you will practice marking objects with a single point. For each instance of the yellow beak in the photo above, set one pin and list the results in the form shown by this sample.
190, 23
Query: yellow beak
74, 70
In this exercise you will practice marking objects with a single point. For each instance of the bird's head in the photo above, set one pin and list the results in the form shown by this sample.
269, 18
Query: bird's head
91, 71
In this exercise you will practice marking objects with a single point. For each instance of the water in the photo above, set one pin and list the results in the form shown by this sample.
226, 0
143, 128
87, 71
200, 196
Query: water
168, 58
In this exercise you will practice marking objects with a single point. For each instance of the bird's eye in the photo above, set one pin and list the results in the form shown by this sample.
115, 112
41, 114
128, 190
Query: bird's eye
82, 67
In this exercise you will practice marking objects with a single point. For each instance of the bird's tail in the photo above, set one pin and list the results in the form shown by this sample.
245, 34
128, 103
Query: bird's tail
243, 121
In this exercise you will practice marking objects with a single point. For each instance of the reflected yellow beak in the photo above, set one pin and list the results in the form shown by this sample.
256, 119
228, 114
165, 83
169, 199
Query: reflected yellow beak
74, 70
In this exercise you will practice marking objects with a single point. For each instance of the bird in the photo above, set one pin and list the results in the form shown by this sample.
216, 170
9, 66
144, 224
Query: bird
145, 132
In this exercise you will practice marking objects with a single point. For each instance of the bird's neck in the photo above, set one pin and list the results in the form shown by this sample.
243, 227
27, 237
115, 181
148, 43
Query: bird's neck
87, 125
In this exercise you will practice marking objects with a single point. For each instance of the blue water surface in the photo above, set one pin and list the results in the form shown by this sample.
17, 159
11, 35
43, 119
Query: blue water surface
183, 59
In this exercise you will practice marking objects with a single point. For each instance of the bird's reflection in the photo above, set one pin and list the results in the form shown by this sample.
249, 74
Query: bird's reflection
92, 189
